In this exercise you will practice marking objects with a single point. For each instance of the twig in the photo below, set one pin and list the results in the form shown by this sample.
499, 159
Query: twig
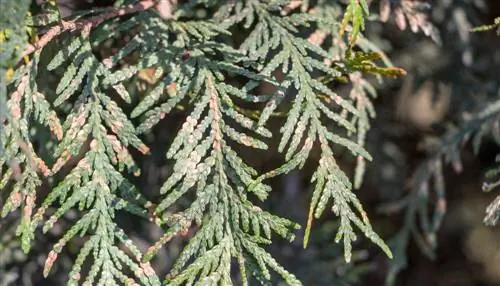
290, 7
86, 24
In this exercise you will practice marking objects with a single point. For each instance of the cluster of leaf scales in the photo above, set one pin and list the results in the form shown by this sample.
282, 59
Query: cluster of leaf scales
193, 70
314, 103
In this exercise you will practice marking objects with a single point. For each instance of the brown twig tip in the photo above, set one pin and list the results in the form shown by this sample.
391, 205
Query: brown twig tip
87, 24
51, 258
294, 4
165, 8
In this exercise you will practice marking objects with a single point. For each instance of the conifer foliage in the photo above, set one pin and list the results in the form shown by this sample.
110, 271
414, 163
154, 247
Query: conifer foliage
120, 70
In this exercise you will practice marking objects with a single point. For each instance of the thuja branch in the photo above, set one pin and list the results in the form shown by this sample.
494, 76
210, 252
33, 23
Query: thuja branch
88, 24
431, 171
